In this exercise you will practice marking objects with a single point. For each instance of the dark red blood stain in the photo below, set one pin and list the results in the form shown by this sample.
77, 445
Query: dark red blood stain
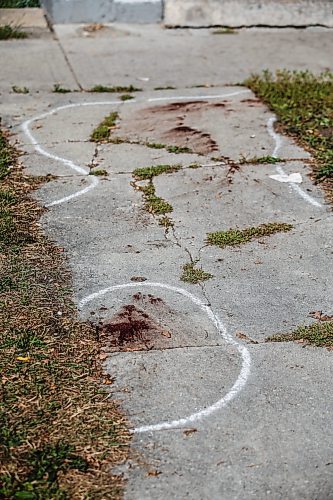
131, 329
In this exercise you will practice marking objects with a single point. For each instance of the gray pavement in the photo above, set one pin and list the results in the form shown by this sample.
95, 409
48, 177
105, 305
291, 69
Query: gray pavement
238, 420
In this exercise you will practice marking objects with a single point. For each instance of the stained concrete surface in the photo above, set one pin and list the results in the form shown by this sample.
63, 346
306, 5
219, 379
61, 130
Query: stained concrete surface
274, 439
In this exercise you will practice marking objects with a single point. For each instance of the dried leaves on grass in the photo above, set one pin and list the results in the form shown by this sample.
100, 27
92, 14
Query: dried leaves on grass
60, 434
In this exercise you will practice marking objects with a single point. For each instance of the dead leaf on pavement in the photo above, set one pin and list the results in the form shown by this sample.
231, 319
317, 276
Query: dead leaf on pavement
320, 316
248, 339
153, 473
189, 432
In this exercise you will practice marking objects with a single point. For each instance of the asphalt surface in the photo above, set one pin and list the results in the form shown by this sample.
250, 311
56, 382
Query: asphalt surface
217, 411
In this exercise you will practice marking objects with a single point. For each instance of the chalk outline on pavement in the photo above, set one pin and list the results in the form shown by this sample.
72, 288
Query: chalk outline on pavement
245, 354
246, 359
94, 181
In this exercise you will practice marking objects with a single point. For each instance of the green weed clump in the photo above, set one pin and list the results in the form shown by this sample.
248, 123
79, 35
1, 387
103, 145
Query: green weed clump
234, 237
155, 170
102, 132
115, 89
319, 334
58, 89
194, 275
260, 160
8, 32
303, 103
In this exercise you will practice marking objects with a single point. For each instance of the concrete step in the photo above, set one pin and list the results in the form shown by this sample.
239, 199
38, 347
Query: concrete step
236, 13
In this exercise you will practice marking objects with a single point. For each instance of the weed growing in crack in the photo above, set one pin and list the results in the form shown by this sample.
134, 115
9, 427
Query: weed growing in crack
234, 237
102, 132
178, 149
9, 31
114, 89
259, 160
155, 170
194, 275
20, 90
99, 172
126, 97
319, 334
58, 89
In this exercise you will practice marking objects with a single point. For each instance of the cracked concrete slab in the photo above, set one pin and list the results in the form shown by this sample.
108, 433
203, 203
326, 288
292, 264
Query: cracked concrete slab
272, 436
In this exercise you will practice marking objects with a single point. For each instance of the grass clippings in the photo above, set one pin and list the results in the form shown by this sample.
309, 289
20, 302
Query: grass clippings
319, 334
60, 433
303, 103
115, 89
20, 90
235, 237
102, 132
58, 89
194, 275
155, 170
8, 32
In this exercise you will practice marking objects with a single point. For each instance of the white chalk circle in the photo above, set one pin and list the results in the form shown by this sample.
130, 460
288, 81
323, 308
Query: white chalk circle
243, 351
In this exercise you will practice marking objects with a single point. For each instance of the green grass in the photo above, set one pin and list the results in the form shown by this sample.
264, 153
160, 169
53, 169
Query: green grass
303, 103
19, 4
99, 172
167, 87
178, 149
235, 237
319, 334
20, 90
155, 145
102, 132
115, 89
259, 160
126, 97
155, 204
8, 32
58, 89
153, 171
7, 157
194, 275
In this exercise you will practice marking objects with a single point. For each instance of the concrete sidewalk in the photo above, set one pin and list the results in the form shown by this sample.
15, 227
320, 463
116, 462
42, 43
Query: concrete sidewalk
216, 416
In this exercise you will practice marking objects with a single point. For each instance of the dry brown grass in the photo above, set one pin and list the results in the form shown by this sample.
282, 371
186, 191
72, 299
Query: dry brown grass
60, 433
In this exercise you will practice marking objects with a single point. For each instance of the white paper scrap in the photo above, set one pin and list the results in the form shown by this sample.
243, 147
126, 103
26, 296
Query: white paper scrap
296, 177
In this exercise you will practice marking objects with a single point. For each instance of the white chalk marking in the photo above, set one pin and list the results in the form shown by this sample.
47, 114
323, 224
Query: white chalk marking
278, 144
93, 180
295, 177
243, 351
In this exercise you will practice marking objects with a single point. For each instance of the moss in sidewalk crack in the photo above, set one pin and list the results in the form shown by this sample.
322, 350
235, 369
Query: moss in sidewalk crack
58, 89
259, 160
193, 274
102, 132
155, 170
99, 172
114, 89
235, 237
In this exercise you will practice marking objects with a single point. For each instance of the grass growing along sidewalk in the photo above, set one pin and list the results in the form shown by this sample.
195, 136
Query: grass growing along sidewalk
303, 103
60, 434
